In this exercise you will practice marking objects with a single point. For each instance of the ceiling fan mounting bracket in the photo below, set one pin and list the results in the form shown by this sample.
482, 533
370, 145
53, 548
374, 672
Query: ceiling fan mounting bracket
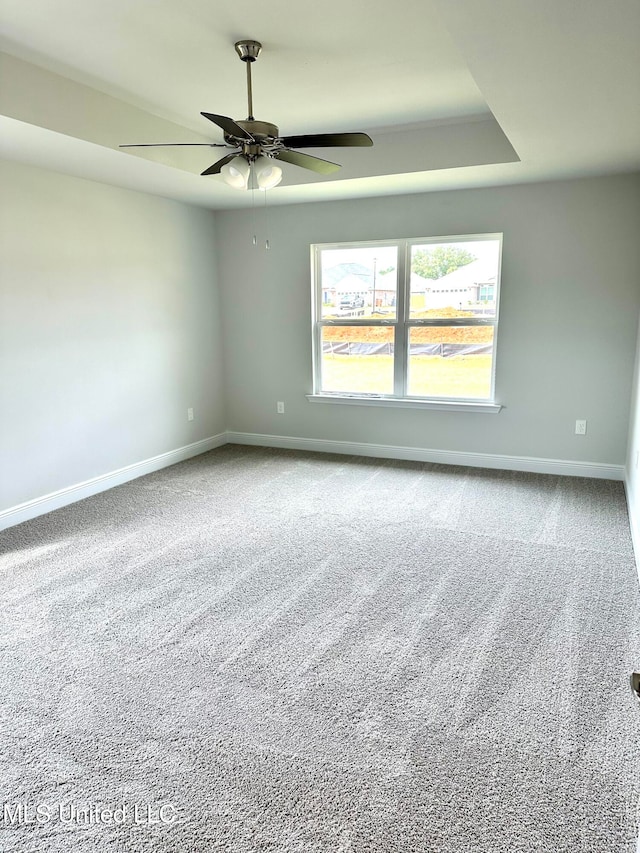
248, 50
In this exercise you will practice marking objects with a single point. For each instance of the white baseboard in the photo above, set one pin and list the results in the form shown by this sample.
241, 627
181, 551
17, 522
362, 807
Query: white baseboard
446, 457
79, 491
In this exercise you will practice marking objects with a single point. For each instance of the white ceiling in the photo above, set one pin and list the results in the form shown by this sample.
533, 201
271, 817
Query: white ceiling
455, 93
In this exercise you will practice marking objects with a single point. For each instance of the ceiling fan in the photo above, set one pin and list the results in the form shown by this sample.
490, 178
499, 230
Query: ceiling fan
257, 144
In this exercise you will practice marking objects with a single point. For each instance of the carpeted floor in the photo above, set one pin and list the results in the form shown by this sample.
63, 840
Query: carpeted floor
298, 652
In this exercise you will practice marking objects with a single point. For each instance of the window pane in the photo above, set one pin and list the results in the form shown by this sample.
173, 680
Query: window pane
357, 359
450, 361
454, 279
359, 282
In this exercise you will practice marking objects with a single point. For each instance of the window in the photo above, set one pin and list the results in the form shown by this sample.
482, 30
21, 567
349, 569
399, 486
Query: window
410, 321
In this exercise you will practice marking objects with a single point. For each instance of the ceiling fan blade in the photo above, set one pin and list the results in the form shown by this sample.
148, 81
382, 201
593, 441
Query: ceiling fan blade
215, 169
229, 126
327, 140
323, 167
175, 145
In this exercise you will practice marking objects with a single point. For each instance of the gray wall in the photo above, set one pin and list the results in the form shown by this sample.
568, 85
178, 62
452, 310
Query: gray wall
110, 325
109, 330
570, 302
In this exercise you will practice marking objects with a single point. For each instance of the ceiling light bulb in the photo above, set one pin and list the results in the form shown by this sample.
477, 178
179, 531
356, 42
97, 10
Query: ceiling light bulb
236, 173
267, 173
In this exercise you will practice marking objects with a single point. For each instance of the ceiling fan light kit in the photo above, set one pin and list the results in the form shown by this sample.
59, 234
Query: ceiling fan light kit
261, 173
257, 144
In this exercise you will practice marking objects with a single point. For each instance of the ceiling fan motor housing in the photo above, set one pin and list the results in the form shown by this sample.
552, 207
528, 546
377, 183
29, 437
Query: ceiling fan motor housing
264, 133
259, 129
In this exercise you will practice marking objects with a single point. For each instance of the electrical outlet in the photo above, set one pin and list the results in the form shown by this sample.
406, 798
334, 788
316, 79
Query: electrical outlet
189, 414
581, 427
280, 407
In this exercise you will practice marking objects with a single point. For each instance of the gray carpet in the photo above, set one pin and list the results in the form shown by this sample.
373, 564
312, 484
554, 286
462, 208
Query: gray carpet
298, 652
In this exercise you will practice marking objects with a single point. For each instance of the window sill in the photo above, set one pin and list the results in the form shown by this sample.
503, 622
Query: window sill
406, 403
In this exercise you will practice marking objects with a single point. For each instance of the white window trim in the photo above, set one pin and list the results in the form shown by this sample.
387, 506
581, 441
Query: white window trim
448, 405
402, 325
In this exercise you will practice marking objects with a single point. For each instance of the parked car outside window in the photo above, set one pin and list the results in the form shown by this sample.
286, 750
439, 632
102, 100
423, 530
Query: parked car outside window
351, 301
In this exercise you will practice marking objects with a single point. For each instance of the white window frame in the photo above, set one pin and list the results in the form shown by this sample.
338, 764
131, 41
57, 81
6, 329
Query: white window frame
402, 323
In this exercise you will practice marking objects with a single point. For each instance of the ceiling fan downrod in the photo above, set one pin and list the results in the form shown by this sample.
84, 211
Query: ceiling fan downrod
248, 50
